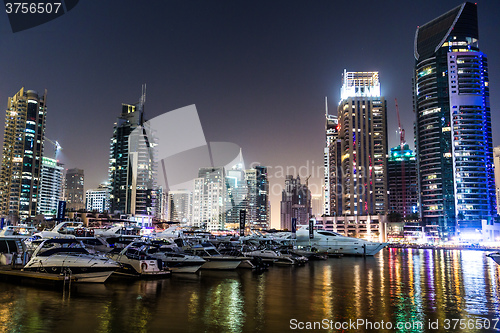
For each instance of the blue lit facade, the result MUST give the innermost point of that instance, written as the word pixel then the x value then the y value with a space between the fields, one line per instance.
pixel 453 126
pixel 402 181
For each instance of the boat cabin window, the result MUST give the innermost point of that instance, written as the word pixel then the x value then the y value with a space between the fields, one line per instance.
pixel 91 241
pixel 8 246
pixel 327 233
pixel 52 251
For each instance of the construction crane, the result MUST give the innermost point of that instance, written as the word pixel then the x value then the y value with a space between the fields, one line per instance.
pixel 57 147
pixel 402 145
pixel 307 180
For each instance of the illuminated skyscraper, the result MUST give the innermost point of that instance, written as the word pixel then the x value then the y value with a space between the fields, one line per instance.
pixel 98 199
pixel 209 199
pixel 329 188
pixel 73 189
pixel 180 206
pixel 257 197
pixel 453 125
pixel 402 181
pixel 496 153
pixel 132 165
pixel 362 174
pixel 22 154
pixel 51 186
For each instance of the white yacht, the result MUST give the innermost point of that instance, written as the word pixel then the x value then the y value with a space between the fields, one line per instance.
pixel 64 256
pixel 334 243
pixel 270 256
pixel 136 263
pixel 177 261
pixel 214 259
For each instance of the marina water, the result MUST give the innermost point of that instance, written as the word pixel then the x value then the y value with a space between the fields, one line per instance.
pixel 433 288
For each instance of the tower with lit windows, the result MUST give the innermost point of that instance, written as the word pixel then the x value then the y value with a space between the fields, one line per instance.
pixel 453 125
pixel 361 175
pixel 22 154
pixel 132 163
pixel 329 188
pixel 51 186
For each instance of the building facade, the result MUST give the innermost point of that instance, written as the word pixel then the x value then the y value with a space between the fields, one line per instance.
pixel 22 154
pixel 362 151
pixel 453 125
pixel 132 164
pixel 180 206
pixel 496 157
pixel 73 189
pixel 97 200
pixel 295 203
pixel 370 227
pixel 209 199
pixel 330 164
pixel 257 203
pixel 402 182
pixel 51 187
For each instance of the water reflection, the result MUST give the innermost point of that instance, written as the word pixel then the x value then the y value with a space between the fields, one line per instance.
pixel 397 286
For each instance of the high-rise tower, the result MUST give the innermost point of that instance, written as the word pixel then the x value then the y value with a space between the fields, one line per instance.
pixel 132 163
pixel 22 154
pixel 362 152
pixel 51 186
pixel 73 189
pixel 329 188
pixel 401 169
pixel 453 124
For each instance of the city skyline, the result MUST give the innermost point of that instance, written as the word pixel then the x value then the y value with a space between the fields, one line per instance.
pixel 270 65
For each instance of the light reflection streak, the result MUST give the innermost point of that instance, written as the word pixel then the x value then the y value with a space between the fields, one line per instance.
pixel 429 276
pixel 474 284
pixel 224 306
pixel 327 292
pixel 357 291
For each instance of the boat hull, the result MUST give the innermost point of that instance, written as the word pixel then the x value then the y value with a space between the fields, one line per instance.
pixel 370 249
pixel 192 269
pixel 219 263
pixel 76 273
pixel 495 257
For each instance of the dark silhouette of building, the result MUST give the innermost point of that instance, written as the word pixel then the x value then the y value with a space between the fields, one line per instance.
pixel 295 203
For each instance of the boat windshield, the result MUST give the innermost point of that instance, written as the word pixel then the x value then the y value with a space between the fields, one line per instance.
pixel 50 248
pixel 212 252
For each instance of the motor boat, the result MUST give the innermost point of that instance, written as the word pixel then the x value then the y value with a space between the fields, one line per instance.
pixel 215 260
pixel 271 256
pixel 136 263
pixel 495 256
pixel 334 243
pixel 65 256
pixel 174 258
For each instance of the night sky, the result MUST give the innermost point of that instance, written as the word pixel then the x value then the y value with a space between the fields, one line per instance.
pixel 258 71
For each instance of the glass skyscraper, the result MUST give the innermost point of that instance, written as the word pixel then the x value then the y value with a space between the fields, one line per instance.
pixel 132 164
pixel 453 125
pixel 22 154
pixel 362 131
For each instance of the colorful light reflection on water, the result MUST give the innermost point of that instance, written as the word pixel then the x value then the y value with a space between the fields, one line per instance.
pixel 397 285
